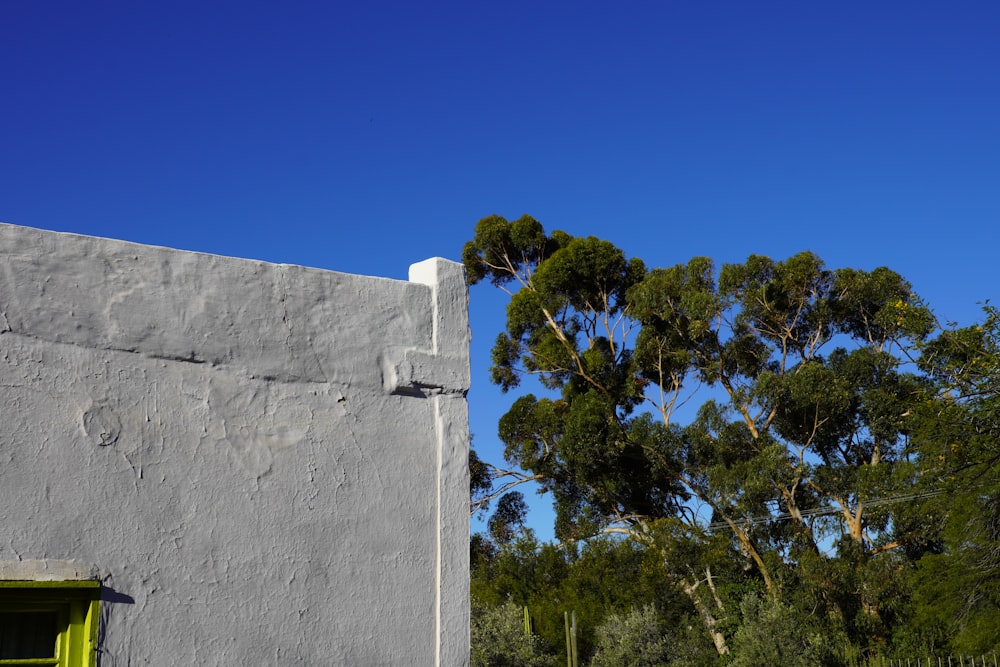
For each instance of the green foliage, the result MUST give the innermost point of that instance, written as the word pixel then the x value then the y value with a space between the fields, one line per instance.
pixel 499 640
pixel 500 248
pixel 957 593
pixel 841 471
pixel 775 633
pixel 785 303
pixel 480 481
pixel 508 519
pixel 603 576
pixel 635 639
pixel 879 306
pixel 588 275
pixel 956 584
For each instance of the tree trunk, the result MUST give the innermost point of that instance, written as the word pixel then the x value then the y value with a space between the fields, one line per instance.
pixel 748 548
pixel 711 622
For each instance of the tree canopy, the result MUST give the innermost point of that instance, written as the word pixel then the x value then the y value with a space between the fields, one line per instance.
pixel 836 417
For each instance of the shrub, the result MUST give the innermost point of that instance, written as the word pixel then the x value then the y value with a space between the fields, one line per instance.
pixel 499 640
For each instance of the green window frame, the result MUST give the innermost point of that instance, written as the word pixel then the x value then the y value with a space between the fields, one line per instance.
pixel 51 623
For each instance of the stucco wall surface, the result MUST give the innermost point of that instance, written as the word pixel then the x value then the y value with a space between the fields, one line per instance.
pixel 265 464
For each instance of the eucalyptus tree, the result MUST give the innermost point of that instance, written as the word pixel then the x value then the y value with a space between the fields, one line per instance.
pixel 956 582
pixel 802 443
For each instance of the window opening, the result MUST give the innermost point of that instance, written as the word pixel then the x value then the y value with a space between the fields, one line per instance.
pixel 50 623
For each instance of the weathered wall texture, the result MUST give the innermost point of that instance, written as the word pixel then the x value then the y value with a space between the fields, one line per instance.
pixel 267 464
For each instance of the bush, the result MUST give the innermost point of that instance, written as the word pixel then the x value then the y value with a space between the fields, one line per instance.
pixel 633 640
pixel 773 633
pixel 498 638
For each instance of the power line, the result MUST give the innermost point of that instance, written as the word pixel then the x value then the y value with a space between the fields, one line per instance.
pixel 826 511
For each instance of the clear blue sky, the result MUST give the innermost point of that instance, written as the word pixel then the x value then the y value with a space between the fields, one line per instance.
pixel 363 137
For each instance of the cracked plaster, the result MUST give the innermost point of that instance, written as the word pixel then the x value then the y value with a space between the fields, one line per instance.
pixel 268 462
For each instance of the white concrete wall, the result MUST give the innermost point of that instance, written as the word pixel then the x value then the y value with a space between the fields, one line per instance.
pixel 266 464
